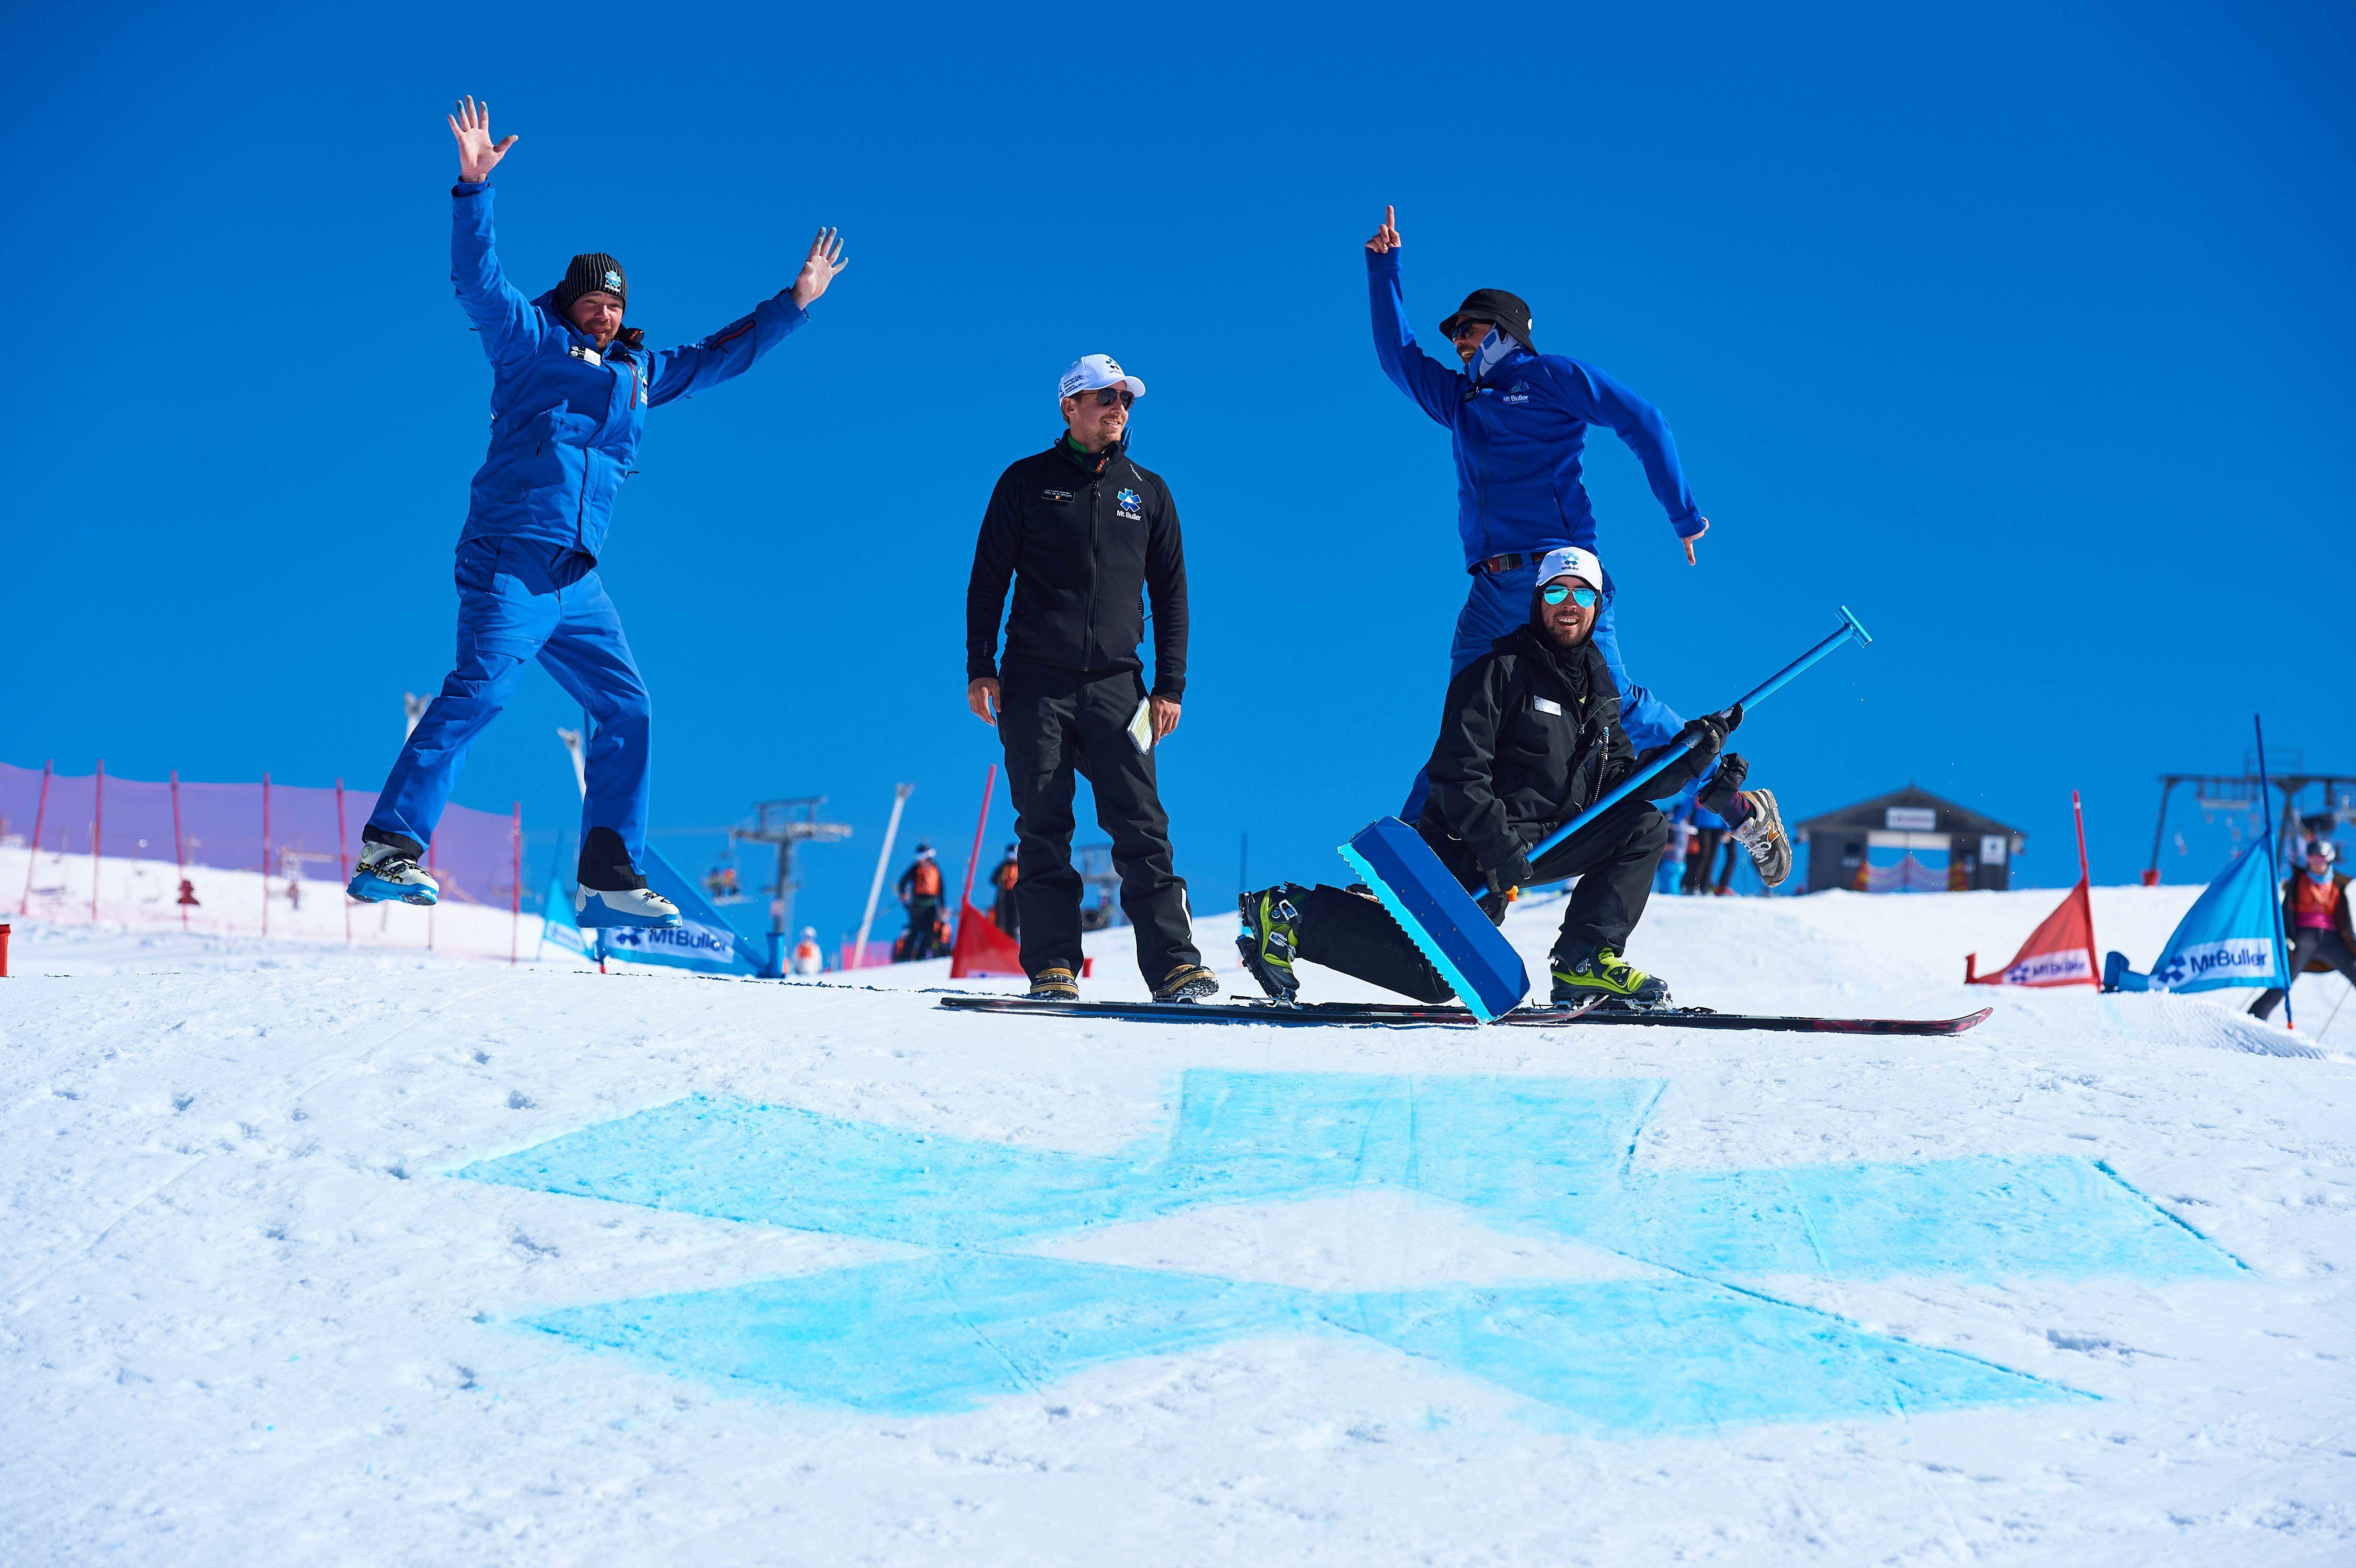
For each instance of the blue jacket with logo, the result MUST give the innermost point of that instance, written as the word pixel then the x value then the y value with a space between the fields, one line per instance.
pixel 1519 433
pixel 565 419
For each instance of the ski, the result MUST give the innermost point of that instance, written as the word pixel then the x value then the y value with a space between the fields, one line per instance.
pixel 1392 1015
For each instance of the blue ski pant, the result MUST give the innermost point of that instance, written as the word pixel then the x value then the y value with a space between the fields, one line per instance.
pixel 519 600
pixel 1500 602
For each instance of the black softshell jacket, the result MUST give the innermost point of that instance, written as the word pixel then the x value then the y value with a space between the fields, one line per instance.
pixel 1530 737
pixel 1087 538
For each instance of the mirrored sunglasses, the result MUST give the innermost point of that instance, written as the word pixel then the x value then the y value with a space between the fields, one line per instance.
pixel 1107 396
pixel 1556 592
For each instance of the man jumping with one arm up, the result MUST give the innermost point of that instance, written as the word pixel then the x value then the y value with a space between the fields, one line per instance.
pixel 570 390
pixel 1519 420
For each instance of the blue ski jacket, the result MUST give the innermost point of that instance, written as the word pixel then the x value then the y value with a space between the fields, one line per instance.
pixel 565 417
pixel 1519 431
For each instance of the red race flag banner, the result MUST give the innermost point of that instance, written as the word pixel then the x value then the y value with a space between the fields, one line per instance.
pixel 2061 951
pixel 982 948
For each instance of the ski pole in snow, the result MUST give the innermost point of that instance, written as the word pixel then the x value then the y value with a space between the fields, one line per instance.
pixel 2273 875
pixel 1850 627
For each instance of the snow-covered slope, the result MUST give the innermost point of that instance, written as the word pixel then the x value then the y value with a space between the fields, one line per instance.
pixel 310 1256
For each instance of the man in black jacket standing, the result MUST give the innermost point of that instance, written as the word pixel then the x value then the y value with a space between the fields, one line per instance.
pixel 1529 738
pixel 1087 537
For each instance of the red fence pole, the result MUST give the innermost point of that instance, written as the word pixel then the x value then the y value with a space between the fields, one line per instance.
pixel 343 850
pixel 97 827
pixel 265 854
pixel 25 905
pixel 988 787
pixel 515 894
pixel 179 850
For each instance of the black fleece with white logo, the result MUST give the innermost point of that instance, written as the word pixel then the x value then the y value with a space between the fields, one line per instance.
pixel 1530 738
pixel 1087 538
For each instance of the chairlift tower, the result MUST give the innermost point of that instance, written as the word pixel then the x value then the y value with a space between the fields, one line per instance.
pixel 2230 793
pixel 785 823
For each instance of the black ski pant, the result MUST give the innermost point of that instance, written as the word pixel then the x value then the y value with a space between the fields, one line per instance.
pixel 1613 859
pixel 2309 942
pixel 924 928
pixel 1701 859
pixel 1057 725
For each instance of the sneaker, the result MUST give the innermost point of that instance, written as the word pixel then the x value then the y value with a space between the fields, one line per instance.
pixel 1055 985
pixel 1579 977
pixel 594 907
pixel 1184 983
pixel 389 871
pixel 1268 940
pixel 1763 833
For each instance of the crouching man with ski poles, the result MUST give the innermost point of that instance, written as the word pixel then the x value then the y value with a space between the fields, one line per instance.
pixel 1518 420
pixel 1087 538
pixel 1530 736
pixel 570 389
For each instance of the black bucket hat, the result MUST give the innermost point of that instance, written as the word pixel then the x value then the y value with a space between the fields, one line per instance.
pixel 1493 304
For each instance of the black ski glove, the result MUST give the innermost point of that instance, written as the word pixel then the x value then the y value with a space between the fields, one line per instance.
pixel 1708 733
pixel 1515 873
pixel 1720 797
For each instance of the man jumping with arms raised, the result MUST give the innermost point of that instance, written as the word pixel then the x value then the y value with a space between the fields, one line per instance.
pixel 570 390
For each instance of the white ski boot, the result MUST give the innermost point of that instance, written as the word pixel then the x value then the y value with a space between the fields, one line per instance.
pixel 387 871
pixel 594 907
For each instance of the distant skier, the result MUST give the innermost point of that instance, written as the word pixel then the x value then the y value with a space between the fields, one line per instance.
pixel 1087 538
pixel 1669 876
pixel 2315 917
pixel 1005 911
pixel 809 958
pixel 920 895
pixel 570 389
pixel 1519 421
pixel 1530 737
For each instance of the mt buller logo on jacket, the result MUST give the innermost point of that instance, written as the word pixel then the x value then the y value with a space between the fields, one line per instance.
pixel 1131 504
pixel 1519 392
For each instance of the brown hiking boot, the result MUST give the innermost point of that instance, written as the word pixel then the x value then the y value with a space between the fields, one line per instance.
pixel 1055 985
pixel 1185 983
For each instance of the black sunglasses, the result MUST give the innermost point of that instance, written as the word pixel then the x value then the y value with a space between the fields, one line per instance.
pixel 1107 396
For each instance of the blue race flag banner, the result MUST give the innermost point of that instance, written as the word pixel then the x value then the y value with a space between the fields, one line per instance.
pixel 2228 938
pixel 702 941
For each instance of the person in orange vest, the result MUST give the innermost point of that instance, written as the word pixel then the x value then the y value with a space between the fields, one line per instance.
pixel 920 895
pixel 1003 908
pixel 2316 918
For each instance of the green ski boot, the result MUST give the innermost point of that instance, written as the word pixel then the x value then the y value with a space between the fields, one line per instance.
pixel 1599 972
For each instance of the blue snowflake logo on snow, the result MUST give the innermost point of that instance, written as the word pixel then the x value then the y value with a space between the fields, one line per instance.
pixel 1682 1334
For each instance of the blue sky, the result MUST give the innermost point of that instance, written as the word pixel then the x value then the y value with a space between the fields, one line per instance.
pixel 2023 330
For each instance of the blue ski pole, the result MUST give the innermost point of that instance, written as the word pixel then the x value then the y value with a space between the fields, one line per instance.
pixel 1850 627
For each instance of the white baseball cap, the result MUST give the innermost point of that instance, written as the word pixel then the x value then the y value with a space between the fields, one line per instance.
pixel 1572 561
pixel 1090 371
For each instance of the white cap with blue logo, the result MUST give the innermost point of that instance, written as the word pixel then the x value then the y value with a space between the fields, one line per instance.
pixel 1090 371
pixel 1572 561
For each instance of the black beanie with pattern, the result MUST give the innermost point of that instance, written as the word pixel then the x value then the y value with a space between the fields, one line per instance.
pixel 591 273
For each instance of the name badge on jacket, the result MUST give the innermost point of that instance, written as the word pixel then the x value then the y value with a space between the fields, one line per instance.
pixel 1061 497
pixel 591 355
pixel 1547 705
